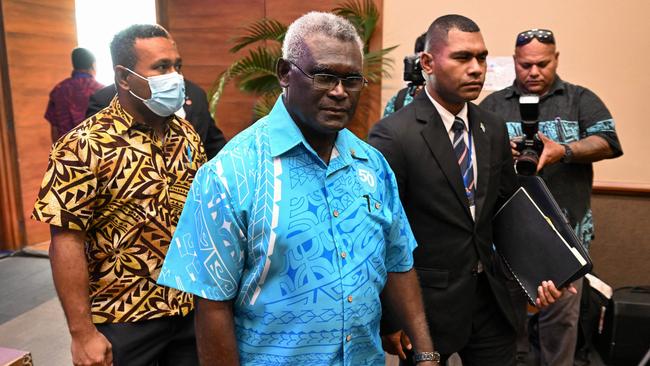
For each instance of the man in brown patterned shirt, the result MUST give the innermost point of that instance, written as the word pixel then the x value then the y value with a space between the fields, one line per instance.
pixel 113 192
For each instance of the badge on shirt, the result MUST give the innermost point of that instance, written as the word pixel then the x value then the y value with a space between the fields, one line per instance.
pixel 367 179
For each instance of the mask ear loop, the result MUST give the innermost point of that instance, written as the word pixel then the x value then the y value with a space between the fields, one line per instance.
pixel 141 77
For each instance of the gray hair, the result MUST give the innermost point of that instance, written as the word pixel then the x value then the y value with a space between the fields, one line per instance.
pixel 314 23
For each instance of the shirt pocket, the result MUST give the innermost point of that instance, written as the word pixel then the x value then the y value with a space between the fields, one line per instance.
pixel 434 278
pixel 373 208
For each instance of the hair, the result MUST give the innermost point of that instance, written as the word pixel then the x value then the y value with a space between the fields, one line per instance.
pixel 312 23
pixel 439 29
pixel 122 45
pixel 420 42
pixel 82 59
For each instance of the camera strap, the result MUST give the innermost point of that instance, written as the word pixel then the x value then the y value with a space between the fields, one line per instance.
pixel 400 99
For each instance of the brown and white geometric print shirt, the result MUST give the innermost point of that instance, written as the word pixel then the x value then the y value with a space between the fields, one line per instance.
pixel 116 180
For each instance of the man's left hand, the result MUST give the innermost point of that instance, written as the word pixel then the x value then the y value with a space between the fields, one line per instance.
pixel 547 293
pixel 396 343
pixel 552 153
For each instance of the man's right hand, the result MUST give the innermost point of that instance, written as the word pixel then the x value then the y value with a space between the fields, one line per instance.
pixel 395 343
pixel 91 348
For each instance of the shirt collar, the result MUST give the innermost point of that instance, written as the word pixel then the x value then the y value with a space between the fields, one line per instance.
pixel 285 135
pixel 125 121
pixel 80 74
pixel 283 131
pixel 446 116
pixel 557 87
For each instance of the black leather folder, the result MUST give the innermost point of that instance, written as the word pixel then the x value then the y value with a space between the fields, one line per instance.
pixel 535 241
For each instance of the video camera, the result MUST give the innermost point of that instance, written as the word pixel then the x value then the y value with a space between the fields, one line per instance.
pixel 413 70
pixel 530 146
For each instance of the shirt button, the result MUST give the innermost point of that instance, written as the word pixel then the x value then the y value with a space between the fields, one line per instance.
pixel 377 205
pixel 343 255
pixel 350 298
pixel 348 338
pixel 335 213
pixel 353 153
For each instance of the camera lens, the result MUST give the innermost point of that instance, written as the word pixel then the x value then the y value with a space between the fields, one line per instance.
pixel 527 162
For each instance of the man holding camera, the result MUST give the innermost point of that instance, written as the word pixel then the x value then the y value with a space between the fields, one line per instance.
pixel 576 129
pixel 454 169
pixel 413 75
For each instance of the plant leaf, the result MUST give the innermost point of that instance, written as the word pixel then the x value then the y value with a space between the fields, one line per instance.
pixel 265 103
pixel 261 30
pixel 376 64
pixel 214 95
pixel 259 83
pixel 364 15
pixel 258 60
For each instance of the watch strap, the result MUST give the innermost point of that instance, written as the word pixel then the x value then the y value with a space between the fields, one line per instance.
pixel 568 154
pixel 426 356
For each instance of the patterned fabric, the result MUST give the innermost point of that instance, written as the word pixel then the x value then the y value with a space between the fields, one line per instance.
pixel 408 98
pixel 464 159
pixel 302 247
pixel 567 113
pixel 116 180
pixel 69 101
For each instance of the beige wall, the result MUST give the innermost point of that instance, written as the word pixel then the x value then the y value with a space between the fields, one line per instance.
pixel 603 45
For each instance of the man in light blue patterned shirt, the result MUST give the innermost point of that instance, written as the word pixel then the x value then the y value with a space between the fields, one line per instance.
pixel 291 234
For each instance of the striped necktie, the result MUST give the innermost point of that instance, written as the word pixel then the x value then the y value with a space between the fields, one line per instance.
pixel 463 156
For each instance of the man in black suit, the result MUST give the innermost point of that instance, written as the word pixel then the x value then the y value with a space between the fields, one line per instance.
pixel 195 108
pixel 428 143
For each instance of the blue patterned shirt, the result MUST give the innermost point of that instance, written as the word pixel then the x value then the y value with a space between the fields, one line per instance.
pixel 408 98
pixel 303 248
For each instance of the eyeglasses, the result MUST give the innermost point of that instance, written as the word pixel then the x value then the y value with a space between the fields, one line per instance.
pixel 329 81
pixel 542 35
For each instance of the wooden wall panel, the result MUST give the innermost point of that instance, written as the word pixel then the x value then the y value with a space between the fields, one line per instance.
pixel 12 228
pixel 39 36
pixel 203 30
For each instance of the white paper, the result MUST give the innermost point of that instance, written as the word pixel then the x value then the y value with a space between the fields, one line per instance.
pixel 500 73
pixel 600 286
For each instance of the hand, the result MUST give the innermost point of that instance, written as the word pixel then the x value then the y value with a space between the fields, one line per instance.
pixel 395 343
pixel 91 348
pixel 513 146
pixel 547 293
pixel 552 153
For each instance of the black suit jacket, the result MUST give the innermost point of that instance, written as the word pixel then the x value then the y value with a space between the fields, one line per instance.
pixel 196 112
pixel 450 243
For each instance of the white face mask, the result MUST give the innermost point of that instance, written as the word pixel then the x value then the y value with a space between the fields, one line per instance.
pixel 167 93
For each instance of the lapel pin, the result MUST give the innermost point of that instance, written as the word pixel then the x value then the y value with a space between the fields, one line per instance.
pixel 482 127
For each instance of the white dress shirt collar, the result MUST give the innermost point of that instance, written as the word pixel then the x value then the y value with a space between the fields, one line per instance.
pixel 446 116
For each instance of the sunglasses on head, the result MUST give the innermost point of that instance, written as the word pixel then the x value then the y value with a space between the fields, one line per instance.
pixel 542 35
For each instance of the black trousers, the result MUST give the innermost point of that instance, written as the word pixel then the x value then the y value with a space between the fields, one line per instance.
pixel 492 342
pixel 157 342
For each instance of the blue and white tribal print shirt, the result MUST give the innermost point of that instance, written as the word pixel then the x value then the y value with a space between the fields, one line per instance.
pixel 302 247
